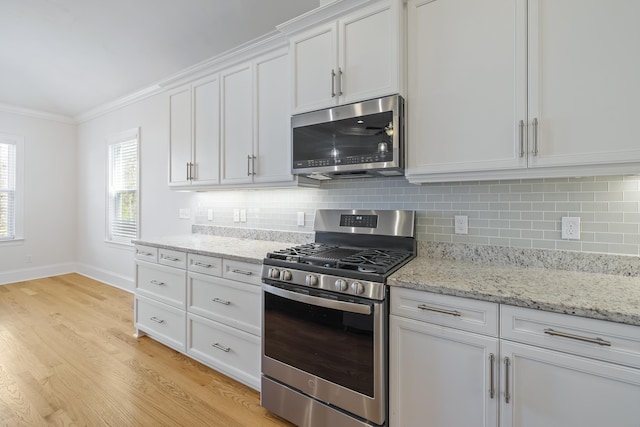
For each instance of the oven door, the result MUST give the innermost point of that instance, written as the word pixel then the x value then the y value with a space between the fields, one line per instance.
pixel 327 346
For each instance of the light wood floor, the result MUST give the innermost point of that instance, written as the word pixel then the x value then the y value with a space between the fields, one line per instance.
pixel 68 357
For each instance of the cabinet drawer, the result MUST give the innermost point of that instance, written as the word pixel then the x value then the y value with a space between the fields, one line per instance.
pixel 147 253
pixel 609 341
pixel 229 350
pixel 165 284
pixel 234 303
pixel 205 264
pixel 164 323
pixel 241 271
pixel 172 258
pixel 455 312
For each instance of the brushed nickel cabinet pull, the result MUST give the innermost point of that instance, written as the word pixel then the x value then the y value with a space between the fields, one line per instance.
pixel 203 265
pixel 492 389
pixel 221 301
pixel 188 172
pixel 253 165
pixel 521 138
pixel 144 253
pixel 219 347
pixel 155 282
pixel 598 341
pixel 248 165
pixel 155 319
pixel 439 310
pixel 535 136
pixel 246 273
pixel 170 258
pixel 333 83
pixel 192 170
pixel 340 81
pixel 507 396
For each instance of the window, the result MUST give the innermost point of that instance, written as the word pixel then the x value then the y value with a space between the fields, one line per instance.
pixel 10 188
pixel 122 192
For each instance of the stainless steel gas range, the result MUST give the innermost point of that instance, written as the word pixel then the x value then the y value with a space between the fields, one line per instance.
pixel 325 319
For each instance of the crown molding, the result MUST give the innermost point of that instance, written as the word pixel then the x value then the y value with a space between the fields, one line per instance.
pixel 320 15
pixel 12 109
pixel 118 103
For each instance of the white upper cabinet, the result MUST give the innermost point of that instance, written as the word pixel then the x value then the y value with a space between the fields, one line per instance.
pixel 517 89
pixel 194 134
pixel 357 57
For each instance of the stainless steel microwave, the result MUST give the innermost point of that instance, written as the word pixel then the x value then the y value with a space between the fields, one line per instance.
pixel 365 139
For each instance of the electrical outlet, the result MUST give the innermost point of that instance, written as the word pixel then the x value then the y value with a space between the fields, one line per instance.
pixel 461 224
pixel 571 227
pixel 300 219
pixel 236 215
pixel 243 215
pixel 209 214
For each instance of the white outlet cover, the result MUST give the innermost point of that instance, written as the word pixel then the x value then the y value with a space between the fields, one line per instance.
pixel 461 224
pixel 300 219
pixel 209 214
pixel 243 215
pixel 571 227
pixel 236 215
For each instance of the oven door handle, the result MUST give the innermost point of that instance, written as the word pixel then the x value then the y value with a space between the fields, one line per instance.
pixel 321 302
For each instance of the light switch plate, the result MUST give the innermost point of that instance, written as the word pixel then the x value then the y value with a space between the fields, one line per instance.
pixel 243 215
pixel 236 215
pixel 300 219
pixel 209 214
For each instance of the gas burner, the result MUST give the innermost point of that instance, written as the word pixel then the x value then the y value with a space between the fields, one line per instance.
pixel 363 269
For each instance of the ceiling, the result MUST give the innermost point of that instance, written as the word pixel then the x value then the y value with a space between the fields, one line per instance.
pixel 69 56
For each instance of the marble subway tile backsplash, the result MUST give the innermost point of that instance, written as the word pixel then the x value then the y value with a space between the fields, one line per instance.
pixel 515 213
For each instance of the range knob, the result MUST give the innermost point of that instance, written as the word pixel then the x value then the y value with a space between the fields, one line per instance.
pixel 286 275
pixel 274 273
pixel 311 280
pixel 341 285
pixel 357 288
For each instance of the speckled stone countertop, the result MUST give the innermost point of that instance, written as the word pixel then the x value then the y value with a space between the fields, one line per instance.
pixel 600 296
pixel 234 248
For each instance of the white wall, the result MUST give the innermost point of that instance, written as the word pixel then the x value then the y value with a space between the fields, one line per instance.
pixel 159 206
pixel 49 199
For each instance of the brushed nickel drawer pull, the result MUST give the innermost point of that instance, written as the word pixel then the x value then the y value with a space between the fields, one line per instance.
pixel 155 319
pixel 145 253
pixel 507 395
pixel 246 273
pixel 221 301
pixel 155 282
pixel 219 347
pixel 168 258
pixel 203 265
pixel 598 341
pixel 440 310
pixel 492 389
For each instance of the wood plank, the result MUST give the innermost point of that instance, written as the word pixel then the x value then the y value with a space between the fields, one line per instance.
pixel 68 357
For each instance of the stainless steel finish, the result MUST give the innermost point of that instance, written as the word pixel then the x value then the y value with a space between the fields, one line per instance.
pixel 273 273
pixel 245 272
pixel 341 285
pixel 598 341
pixel 320 302
pixel 220 347
pixel 302 410
pixel 492 389
pixel 372 290
pixel 439 310
pixel 390 222
pixel 535 136
pixel 357 288
pixel 333 83
pixel 507 364
pixel 340 81
pixel 521 138
pixel 155 319
pixel 248 165
pixel 155 282
pixel 221 301
pixel 311 280
pixel 329 392
pixel 391 167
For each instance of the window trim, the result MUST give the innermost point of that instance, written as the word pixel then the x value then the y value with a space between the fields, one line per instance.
pixel 120 138
pixel 18 207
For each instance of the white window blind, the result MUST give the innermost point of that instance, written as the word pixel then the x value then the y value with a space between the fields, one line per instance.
pixel 7 190
pixel 123 191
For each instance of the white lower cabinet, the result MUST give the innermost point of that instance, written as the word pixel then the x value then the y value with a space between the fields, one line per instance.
pixel 545 369
pixel 203 306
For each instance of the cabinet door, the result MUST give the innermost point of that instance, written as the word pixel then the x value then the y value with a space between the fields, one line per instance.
pixel 237 129
pixel 441 377
pixel 179 136
pixel 272 146
pixel 584 91
pixel 371 53
pixel 314 61
pixel 206 130
pixel 467 85
pixel 553 389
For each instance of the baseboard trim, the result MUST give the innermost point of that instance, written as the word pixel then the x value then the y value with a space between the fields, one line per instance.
pixel 116 280
pixel 33 273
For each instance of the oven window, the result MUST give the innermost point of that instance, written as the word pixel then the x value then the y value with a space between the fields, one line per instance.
pixel 332 344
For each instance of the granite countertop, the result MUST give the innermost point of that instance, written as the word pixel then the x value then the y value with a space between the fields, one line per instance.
pixel 239 249
pixel 600 296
